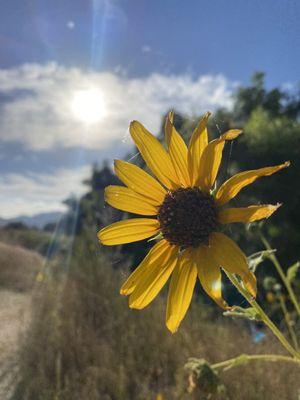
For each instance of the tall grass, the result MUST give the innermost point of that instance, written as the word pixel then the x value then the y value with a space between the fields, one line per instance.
pixel 85 343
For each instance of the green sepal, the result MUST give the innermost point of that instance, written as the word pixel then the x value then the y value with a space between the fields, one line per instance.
pixel 240 312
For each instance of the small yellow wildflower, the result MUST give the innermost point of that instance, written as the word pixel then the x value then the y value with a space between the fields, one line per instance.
pixel 39 277
pixel 271 298
pixel 187 216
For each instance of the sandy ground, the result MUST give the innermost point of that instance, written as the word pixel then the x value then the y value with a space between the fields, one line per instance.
pixel 14 318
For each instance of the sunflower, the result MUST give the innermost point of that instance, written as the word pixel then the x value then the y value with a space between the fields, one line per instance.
pixel 186 215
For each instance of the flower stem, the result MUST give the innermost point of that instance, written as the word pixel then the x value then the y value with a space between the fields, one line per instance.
pixel 244 358
pixel 282 275
pixel 288 321
pixel 263 315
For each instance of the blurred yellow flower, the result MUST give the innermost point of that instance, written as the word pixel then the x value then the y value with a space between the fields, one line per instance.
pixel 271 298
pixel 186 216
pixel 39 277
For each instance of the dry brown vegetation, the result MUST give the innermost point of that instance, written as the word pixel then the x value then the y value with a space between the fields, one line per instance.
pixel 84 343
pixel 18 267
pixel 18 270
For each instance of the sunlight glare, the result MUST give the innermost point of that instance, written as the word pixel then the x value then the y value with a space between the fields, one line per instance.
pixel 88 105
pixel 216 286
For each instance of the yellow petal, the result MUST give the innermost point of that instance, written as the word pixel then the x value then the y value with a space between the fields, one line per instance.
pixel 180 291
pixel 154 155
pixel 198 142
pixel 128 231
pixel 250 283
pixel 154 278
pixel 128 200
pixel 139 181
pixel 211 159
pixel 246 214
pixel 178 151
pixel 209 274
pixel 154 254
pixel 229 256
pixel 232 186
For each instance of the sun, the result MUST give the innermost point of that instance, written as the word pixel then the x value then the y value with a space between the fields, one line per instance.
pixel 88 105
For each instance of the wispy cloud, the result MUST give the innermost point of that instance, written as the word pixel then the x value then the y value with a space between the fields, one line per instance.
pixel 34 193
pixel 37 109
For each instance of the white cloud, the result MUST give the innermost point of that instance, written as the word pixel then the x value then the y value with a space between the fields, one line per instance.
pixel 39 192
pixel 37 113
pixel 41 117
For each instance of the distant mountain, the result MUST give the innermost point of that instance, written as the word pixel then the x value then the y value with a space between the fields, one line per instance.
pixel 38 220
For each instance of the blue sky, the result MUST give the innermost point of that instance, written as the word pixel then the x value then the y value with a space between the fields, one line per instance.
pixel 145 56
pixel 233 37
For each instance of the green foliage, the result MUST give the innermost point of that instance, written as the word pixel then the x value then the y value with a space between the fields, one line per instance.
pixel 90 212
pixel 248 99
pixel 270 119
pixel 32 239
pixel 292 271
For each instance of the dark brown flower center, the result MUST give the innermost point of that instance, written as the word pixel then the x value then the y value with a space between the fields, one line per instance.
pixel 187 217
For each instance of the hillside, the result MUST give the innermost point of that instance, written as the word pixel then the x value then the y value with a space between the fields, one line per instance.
pixel 18 267
pixel 37 220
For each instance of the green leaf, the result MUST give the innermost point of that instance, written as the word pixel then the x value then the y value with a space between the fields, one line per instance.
pixel 292 271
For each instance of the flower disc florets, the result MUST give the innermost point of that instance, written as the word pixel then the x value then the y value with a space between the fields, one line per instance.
pixel 187 217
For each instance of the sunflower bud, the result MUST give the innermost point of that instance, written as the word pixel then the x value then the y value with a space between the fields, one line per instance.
pixel 203 378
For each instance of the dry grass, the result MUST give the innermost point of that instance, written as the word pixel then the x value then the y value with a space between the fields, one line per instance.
pixel 18 267
pixel 14 317
pixel 84 343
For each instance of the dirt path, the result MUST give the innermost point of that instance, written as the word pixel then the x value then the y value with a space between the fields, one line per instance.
pixel 14 317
